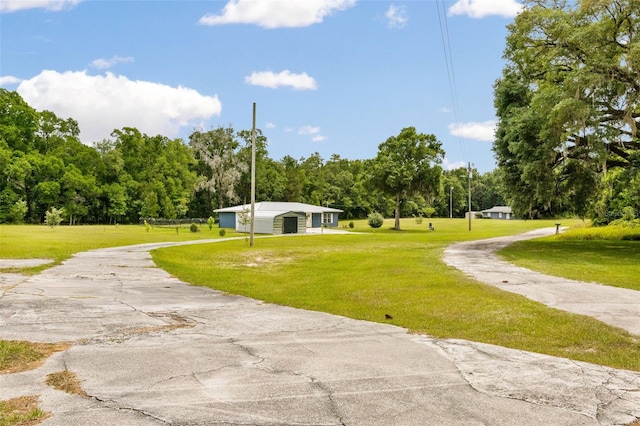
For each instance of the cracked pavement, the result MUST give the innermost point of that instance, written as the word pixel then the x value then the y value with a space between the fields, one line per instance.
pixel 152 350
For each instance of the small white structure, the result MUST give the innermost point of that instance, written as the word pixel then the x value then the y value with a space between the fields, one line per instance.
pixel 474 215
pixel 278 217
pixel 498 212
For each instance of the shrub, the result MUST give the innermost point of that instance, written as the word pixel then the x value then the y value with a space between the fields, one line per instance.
pixel 147 226
pixel 418 219
pixel 351 225
pixel 628 213
pixel 18 211
pixel 375 220
pixel 222 232
pixel 210 223
pixel 429 211
pixel 194 228
pixel 53 217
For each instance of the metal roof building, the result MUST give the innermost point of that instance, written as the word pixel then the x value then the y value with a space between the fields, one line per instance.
pixel 278 217
pixel 498 212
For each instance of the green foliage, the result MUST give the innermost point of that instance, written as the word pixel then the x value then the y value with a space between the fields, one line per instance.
pixel 628 214
pixel 147 226
pixel 375 220
pixel 132 175
pixel 210 223
pixel 568 104
pixel 429 211
pixel 17 212
pixel 351 224
pixel 194 228
pixel 219 165
pixel 406 165
pixel 222 232
pixel 53 217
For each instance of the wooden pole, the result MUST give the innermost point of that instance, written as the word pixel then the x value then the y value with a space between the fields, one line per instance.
pixel 253 176
pixel 469 196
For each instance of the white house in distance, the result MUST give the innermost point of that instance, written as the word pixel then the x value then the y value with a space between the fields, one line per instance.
pixel 278 217
pixel 498 212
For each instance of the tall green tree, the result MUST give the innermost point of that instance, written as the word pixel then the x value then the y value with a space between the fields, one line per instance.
pixel 406 165
pixel 568 103
pixel 220 167
pixel 294 179
pixel 270 176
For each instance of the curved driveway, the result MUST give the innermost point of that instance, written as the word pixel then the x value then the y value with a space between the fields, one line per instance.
pixel 152 350
pixel 615 306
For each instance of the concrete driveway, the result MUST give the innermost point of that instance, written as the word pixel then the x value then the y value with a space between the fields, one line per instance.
pixel 152 350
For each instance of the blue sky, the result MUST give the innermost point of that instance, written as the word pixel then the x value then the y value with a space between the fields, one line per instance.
pixel 328 76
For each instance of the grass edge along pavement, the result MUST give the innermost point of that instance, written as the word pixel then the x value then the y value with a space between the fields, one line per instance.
pixel 584 254
pixel 399 278
pixel 41 241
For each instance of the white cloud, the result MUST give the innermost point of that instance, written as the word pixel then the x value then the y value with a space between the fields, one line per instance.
pixel 483 8
pixel 270 125
pixel 9 79
pixel 445 110
pixel 276 13
pixel 484 131
pixel 54 5
pixel 284 78
pixel 103 103
pixel 308 130
pixel 396 16
pixel 312 131
pixel 108 63
pixel 448 165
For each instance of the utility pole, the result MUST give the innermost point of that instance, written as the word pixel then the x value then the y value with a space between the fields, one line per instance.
pixel 253 176
pixel 469 196
pixel 451 203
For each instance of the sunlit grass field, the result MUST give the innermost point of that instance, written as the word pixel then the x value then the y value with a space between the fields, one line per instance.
pixel 376 275
pixel 41 241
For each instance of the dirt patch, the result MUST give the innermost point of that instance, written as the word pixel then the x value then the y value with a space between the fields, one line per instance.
pixel 66 381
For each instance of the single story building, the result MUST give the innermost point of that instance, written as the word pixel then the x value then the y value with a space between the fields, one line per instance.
pixel 278 217
pixel 498 212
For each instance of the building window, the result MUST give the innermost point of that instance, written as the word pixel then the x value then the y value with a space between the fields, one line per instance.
pixel 327 218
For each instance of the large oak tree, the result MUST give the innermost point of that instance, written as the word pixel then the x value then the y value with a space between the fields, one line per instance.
pixel 568 104
pixel 408 164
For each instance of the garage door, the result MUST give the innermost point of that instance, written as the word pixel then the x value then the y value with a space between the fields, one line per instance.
pixel 290 225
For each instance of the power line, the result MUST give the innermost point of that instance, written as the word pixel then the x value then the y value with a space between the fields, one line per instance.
pixel 446 47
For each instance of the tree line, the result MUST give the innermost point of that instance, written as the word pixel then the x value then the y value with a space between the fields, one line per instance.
pixel 568 105
pixel 44 165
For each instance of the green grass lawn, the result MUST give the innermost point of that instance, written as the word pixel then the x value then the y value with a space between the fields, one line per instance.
pixel 606 261
pixel 40 241
pixel 370 275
